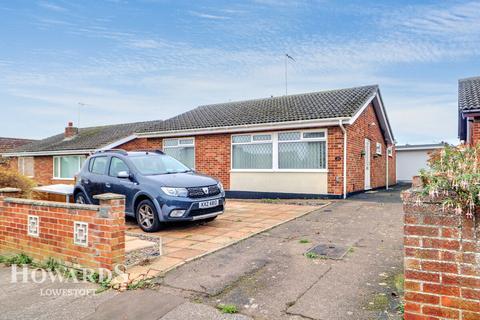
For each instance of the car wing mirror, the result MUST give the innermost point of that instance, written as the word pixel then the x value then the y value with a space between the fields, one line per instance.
pixel 123 175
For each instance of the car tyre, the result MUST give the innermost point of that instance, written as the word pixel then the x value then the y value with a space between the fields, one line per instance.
pixel 147 216
pixel 81 198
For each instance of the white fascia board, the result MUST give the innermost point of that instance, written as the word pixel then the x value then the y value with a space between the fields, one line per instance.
pixel 70 152
pixel 360 111
pixel 400 149
pixel 383 115
pixel 47 153
pixel 118 142
pixel 247 128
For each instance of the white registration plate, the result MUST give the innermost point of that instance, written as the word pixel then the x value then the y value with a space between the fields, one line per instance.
pixel 208 204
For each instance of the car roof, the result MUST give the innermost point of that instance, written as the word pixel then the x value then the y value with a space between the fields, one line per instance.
pixel 120 152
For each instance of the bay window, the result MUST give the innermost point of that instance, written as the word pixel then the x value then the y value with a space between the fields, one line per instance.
pixel 305 150
pixel 182 149
pixel 287 151
pixel 66 167
pixel 252 151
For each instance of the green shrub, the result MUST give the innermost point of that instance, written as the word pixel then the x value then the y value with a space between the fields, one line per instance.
pixel 454 177
pixel 13 179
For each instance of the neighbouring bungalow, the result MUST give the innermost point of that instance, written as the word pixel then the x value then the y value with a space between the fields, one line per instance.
pixel 469 110
pixel 7 144
pixel 321 144
pixel 56 160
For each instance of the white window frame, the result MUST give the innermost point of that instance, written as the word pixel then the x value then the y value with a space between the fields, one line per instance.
pixel 56 173
pixel 275 143
pixel 378 148
pixel 390 151
pixel 182 146
pixel 21 165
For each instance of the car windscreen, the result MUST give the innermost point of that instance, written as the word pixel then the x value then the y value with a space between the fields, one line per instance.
pixel 158 164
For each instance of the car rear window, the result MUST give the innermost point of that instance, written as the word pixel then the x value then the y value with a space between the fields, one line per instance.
pixel 98 165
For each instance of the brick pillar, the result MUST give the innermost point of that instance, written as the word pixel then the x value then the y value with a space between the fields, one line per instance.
pixel 110 243
pixel 442 261
pixel 10 192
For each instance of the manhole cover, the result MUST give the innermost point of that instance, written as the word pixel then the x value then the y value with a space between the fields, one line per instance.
pixel 329 251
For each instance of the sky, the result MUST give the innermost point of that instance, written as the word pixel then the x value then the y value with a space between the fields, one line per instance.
pixel 127 61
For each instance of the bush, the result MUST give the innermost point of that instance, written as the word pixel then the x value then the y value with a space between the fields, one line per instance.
pixel 454 175
pixel 13 179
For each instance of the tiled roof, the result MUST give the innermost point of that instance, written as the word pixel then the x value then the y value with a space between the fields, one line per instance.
pixel 307 106
pixel 12 143
pixel 87 138
pixel 469 94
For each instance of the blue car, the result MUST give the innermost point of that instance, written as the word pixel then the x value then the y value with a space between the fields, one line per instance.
pixel 158 188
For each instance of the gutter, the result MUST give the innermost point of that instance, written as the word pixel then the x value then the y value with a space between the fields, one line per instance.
pixel 47 153
pixel 246 128
pixel 340 123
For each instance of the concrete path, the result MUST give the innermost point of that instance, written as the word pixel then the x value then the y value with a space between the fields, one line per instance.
pixel 265 277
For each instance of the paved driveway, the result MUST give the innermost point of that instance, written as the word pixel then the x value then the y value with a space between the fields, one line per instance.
pixel 241 220
pixel 267 276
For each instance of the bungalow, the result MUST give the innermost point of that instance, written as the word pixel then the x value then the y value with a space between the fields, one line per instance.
pixel 469 110
pixel 320 144
pixel 58 158
pixel 329 143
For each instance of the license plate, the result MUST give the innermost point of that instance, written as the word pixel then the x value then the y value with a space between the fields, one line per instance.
pixel 208 204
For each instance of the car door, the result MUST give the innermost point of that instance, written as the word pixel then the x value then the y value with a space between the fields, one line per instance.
pixel 118 185
pixel 94 183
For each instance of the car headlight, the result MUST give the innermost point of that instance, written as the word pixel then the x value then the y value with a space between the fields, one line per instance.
pixel 175 192
pixel 220 186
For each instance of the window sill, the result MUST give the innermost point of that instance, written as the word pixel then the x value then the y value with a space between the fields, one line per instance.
pixel 281 170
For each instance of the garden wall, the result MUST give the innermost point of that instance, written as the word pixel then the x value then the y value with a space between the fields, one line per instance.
pixel 442 261
pixel 77 235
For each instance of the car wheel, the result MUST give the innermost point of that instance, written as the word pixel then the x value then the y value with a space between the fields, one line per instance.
pixel 147 217
pixel 81 198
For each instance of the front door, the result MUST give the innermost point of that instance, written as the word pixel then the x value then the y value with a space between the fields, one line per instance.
pixel 367 164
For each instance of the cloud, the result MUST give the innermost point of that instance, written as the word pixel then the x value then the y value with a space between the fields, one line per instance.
pixel 440 19
pixel 208 16
pixel 52 7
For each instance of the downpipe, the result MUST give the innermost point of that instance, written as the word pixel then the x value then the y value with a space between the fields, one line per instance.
pixel 340 123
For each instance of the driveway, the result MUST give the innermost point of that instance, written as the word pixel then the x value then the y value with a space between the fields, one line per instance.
pixel 267 276
pixel 187 241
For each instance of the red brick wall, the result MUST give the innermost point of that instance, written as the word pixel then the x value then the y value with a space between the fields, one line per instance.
pixel 212 156
pixel 442 262
pixel 367 127
pixel 106 231
pixel 335 160
pixel 142 144
pixel 475 132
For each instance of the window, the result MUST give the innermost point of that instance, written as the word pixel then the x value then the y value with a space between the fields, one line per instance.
pixel 98 165
pixel 117 165
pixel 390 151
pixel 26 166
pixel 65 167
pixel 302 151
pixel 181 149
pixel 378 149
pixel 292 150
pixel 252 151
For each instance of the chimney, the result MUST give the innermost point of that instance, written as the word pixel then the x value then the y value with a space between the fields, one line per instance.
pixel 70 130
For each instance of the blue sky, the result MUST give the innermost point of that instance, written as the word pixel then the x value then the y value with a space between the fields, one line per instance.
pixel 152 59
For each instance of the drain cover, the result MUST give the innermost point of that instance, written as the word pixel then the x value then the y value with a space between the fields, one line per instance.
pixel 329 251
